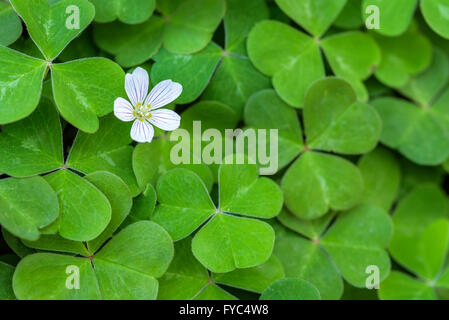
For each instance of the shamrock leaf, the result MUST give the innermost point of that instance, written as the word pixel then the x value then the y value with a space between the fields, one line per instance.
pixel 85 211
pixel 255 279
pixel 26 206
pixel 142 207
pixel 416 211
pixel 190 24
pixel 356 240
pixel 50 31
pixel 334 121
pixel 228 236
pixel 419 133
pixel 291 289
pixel 187 279
pixel 350 17
pixel 148 253
pixel 381 175
pixel 10 25
pixel 429 253
pixel 130 44
pixel 435 14
pixel 395 15
pixel 402 57
pixel 180 67
pixel 106 150
pixel 21 79
pixel 316 16
pixel 86 88
pixel 33 145
pixel 127 11
pixel 294 60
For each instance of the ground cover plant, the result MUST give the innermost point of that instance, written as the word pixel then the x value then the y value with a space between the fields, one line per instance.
pixel 95 96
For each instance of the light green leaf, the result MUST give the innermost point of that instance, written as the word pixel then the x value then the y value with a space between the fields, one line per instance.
pixel 10 25
pixel 84 211
pixel 127 11
pixel 140 253
pixel 436 13
pixel 225 242
pixel 86 89
pixel 402 57
pixel 335 121
pixel 265 110
pixel 340 48
pixel 350 17
pixel 357 240
pixel 416 212
pixel 317 182
pixel 289 56
pixel 180 67
pixel 54 242
pixel 186 277
pixel 425 87
pixel 399 286
pixel 26 205
pixel 34 145
pixel 395 16
pixel 291 289
pixel 306 260
pixel 106 150
pixel 381 176
pixel 184 203
pixel 21 80
pixel 214 292
pixel 316 16
pixel 235 81
pixel 243 192
pixel 52 25
pixel 120 199
pixel 130 44
pixel 420 134
pixel 190 24
pixel 255 279
pixel 43 276
pixel 308 228
pixel 143 206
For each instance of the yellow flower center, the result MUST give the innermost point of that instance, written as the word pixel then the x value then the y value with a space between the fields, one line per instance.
pixel 142 112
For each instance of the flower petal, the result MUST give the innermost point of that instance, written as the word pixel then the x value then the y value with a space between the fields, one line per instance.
pixel 165 119
pixel 123 110
pixel 136 85
pixel 142 131
pixel 163 93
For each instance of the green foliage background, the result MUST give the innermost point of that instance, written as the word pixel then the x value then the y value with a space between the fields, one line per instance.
pixel 363 120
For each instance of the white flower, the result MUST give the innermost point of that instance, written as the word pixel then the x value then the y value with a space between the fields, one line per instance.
pixel 142 109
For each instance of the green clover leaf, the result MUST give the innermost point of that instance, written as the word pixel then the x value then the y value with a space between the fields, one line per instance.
pixel 149 251
pixel 315 16
pixel 106 150
pixel 381 174
pixel 402 57
pixel 419 133
pixel 26 206
pixel 187 279
pixel 291 289
pixel 50 31
pixel 33 145
pixel 85 210
pixel 10 26
pixel 182 214
pixel 6 274
pixel 127 11
pixel 336 122
pixel 356 240
pixel 23 76
pixel 294 60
